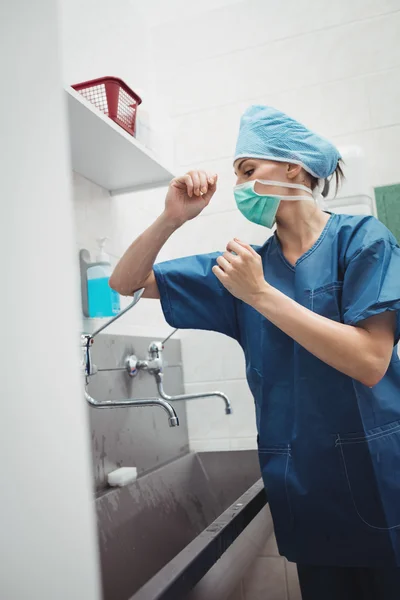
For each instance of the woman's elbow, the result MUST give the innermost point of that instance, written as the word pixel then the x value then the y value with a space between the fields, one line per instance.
pixel 373 372
pixel 371 379
pixel 117 285
pixel 123 286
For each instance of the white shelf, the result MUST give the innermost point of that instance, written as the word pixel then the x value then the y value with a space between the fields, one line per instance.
pixel 104 153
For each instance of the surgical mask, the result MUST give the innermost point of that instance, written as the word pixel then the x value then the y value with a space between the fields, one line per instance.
pixel 262 208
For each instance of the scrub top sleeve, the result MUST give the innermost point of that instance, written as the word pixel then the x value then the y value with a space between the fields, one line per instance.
pixel 193 298
pixel 372 283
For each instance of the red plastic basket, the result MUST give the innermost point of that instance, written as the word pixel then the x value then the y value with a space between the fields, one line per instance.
pixel 114 98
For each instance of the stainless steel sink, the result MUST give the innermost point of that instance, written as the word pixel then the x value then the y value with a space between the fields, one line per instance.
pixel 167 529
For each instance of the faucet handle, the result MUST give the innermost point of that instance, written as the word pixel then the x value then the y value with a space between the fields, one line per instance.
pixel 155 349
pixel 87 366
pixel 132 365
pixel 152 365
pixel 86 340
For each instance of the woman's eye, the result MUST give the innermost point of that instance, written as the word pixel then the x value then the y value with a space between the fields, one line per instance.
pixel 249 172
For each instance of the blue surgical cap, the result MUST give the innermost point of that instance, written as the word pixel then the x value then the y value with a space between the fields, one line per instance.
pixel 270 134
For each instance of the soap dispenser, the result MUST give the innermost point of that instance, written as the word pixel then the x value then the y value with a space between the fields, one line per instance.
pixel 102 300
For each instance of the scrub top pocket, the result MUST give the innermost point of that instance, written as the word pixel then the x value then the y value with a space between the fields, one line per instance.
pixel 371 463
pixel 327 300
pixel 276 467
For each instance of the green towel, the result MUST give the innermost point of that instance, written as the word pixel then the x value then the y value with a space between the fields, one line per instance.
pixel 388 207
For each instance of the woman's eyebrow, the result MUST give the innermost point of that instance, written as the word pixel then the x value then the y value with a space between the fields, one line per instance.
pixel 240 164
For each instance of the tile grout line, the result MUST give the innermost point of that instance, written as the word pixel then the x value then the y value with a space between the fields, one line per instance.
pixel 216 381
pixel 292 37
pixel 176 116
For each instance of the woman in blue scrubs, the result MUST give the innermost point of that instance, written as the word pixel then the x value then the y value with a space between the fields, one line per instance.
pixel 316 311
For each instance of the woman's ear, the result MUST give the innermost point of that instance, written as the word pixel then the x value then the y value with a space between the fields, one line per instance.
pixel 292 171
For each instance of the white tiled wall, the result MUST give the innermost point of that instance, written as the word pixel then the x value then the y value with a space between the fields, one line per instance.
pixel 255 23
pixel 333 65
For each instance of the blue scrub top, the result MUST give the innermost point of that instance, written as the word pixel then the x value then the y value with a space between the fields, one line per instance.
pixel 329 447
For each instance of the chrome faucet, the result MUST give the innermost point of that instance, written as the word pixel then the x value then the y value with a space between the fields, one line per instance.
pixel 154 365
pixel 172 416
pixel 89 369
pixel 87 339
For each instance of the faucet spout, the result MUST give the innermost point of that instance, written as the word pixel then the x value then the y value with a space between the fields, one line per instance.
pixel 172 416
pixel 160 389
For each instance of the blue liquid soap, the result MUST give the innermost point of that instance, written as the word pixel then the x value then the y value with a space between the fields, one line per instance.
pixel 103 301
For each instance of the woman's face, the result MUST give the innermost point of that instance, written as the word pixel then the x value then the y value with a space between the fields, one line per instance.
pixel 247 169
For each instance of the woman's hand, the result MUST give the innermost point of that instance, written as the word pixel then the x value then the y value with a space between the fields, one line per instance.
pixel 241 273
pixel 189 195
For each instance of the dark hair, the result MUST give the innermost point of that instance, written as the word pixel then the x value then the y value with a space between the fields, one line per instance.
pixel 337 174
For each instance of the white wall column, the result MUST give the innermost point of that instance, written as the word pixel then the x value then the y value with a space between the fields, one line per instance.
pixel 48 541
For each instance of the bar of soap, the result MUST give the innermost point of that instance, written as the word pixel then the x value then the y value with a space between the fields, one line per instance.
pixel 122 476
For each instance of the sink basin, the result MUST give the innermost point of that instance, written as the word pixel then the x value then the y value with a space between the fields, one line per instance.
pixel 161 534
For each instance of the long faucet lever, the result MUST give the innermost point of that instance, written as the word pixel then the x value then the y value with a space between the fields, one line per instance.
pixel 170 336
pixel 136 297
